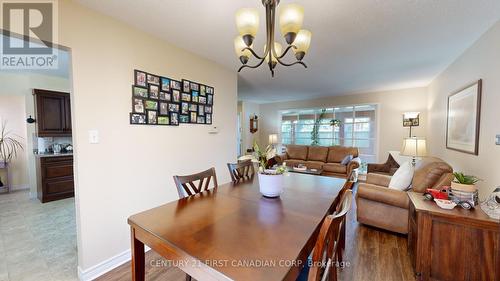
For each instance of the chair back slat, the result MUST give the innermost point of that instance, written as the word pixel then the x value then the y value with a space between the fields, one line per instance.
pixel 186 184
pixel 240 170
pixel 326 249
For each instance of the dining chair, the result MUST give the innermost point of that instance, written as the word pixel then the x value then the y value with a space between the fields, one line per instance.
pixel 241 170
pixel 322 265
pixel 196 183
pixel 348 185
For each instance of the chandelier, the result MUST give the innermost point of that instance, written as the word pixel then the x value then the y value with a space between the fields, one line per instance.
pixel 291 17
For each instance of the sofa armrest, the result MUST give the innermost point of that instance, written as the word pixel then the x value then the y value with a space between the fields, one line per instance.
pixel 280 158
pixel 384 195
pixel 378 179
pixel 353 164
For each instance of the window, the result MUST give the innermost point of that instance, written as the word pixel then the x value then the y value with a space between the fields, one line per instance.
pixel 357 128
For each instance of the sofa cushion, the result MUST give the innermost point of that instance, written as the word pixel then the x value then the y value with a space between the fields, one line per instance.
pixel 383 195
pixel 401 180
pixel 378 179
pixel 298 152
pixel 337 153
pixel 334 168
pixel 315 165
pixel 294 162
pixel 317 153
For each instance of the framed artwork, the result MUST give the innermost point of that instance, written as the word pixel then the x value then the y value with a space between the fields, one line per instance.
pixel 138 105
pixel 174 118
pixel 163 108
pixel 463 119
pixel 193 117
pixel 194 96
pixel 140 78
pixel 184 108
pixel 186 86
pixel 139 92
pixel 153 91
pixel 173 107
pixel 137 118
pixel 165 96
pixel 163 120
pixel 176 96
pixel 152 117
pixel 175 85
pixel 183 118
pixel 186 97
pixel 153 79
pixel 160 100
pixel 151 105
pixel 165 84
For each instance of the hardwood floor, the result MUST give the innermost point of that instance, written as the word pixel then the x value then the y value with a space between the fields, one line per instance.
pixel 371 254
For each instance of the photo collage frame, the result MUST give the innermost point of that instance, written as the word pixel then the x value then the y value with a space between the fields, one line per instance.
pixel 159 100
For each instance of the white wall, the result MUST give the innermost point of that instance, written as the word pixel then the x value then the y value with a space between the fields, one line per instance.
pixel 480 61
pixel 391 104
pixel 131 168
pixel 248 109
pixel 21 86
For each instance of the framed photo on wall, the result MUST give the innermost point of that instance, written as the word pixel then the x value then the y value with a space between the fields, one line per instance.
pixel 463 119
pixel 137 118
pixel 140 78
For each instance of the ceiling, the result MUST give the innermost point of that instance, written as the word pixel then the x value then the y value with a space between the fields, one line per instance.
pixel 357 45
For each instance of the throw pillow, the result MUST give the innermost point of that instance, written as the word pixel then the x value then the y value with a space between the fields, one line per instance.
pixel 401 180
pixel 346 160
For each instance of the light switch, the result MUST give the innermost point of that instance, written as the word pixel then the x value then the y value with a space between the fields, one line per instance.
pixel 93 136
pixel 498 140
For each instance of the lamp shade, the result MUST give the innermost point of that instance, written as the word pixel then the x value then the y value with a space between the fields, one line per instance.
pixel 239 45
pixel 291 18
pixel 247 21
pixel 411 115
pixel 302 41
pixel 278 48
pixel 414 147
pixel 273 139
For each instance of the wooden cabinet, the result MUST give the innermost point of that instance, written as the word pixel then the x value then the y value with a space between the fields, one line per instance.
pixel 453 244
pixel 53 111
pixel 55 178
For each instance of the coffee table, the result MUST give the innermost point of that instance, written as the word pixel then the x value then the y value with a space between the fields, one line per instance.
pixel 306 171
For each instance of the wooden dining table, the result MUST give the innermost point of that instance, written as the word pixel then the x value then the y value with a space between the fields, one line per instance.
pixel 234 233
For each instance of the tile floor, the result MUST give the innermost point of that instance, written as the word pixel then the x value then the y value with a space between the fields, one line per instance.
pixel 37 241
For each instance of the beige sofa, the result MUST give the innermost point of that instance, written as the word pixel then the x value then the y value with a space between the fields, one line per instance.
pixel 326 158
pixel 385 208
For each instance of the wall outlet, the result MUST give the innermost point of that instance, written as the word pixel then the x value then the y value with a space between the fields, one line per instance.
pixel 498 140
pixel 93 136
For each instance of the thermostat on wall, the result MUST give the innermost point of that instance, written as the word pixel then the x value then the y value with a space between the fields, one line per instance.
pixel 213 130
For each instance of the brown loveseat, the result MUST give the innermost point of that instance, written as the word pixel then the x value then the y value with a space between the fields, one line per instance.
pixel 385 208
pixel 327 158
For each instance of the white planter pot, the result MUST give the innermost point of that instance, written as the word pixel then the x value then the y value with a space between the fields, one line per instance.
pixel 271 185
pixel 463 187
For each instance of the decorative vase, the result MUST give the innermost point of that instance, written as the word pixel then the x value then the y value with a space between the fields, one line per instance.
pixel 463 187
pixel 271 185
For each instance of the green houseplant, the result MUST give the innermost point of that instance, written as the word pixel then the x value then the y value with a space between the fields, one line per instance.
pixel 9 146
pixel 270 180
pixel 464 182
pixel 317 124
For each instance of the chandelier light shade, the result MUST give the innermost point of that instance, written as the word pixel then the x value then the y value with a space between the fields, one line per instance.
pixel 302 42
pixel 291 18
pixel 247 22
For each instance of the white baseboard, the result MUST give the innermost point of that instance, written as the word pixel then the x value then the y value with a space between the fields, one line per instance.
pixel 105 266
pixel 19 187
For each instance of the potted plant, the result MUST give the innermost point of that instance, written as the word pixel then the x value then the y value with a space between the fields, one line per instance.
pixel 270 180
pixel 464 182
pixel 9 146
